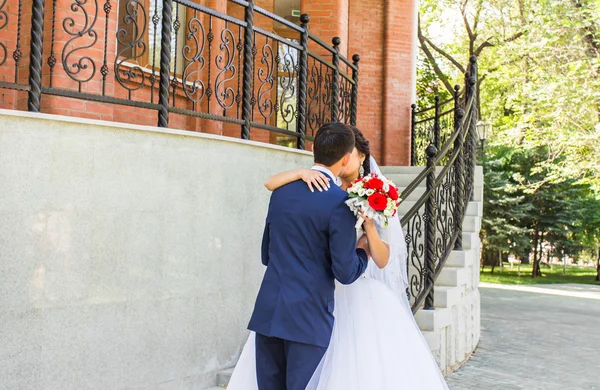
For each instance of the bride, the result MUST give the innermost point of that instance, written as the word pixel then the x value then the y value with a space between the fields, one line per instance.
pixel 376 343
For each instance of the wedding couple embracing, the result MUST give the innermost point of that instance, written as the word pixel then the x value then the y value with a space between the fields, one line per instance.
pixel 332 312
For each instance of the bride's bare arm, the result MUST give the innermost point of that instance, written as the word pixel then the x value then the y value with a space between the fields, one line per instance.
pixel 312 178
pixel 378 249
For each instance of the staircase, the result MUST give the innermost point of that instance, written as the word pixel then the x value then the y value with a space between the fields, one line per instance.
pixel 452 329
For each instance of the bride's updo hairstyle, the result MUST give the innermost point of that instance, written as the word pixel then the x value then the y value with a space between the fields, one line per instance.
pixel 362 145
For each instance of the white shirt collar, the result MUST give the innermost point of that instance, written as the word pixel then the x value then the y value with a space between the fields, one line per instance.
pixel 336 180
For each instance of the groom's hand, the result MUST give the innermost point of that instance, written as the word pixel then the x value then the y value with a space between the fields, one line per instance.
pixel 363 244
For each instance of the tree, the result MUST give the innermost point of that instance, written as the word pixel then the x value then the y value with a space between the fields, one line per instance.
pixel 539 64
pixel 590 207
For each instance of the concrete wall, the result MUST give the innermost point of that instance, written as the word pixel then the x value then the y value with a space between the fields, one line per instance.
pixel 129 255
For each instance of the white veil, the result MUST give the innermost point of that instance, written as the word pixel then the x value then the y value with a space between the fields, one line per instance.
pixel 395 274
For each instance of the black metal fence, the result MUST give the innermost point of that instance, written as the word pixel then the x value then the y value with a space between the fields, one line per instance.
pixel 433 125
pixel 179 57
pixel 446 144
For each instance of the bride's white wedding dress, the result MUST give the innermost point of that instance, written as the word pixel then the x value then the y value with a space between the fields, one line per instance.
pixel 376 343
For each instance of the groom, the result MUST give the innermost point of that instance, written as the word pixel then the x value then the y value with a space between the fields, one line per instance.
pixel 309 240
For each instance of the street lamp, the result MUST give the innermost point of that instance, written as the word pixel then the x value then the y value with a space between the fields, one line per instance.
pixel 483 131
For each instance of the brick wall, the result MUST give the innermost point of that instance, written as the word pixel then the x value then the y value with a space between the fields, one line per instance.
pixel 382 33
pixel 399 81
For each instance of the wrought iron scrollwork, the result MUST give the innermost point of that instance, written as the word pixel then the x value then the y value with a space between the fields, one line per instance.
pixel 319 95
pixel 132 77
pixel 80 69
pixel 225 62
pixel 345 100
pixel 193 53
pixel 266 106
pixel 287 84
pixel 445 225
pixel 250 76
pixel 3 24
pixel 414 235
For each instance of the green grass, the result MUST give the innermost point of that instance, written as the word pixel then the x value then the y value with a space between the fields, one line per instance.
pixel 580 275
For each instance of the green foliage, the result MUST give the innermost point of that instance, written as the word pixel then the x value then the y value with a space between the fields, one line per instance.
pixel 539 86
pixel 554 275
pixel 429 85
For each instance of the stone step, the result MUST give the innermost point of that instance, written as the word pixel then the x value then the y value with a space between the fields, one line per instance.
pixel 452 277
pixel 474 209
pixel 224 376
pixel 402 181
pixel 419 191
pixel 461 258
pixel 433 340
pixel 447 297
pixel 433 320
pixel 402 176
pixel 403 170
pixel 470 240
pixel 472 224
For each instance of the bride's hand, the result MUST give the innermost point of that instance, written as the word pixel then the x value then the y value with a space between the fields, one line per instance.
pixel 319 180
pixel 368 222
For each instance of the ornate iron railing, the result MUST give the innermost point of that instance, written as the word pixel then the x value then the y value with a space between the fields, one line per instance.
pixel 433 226
pixel 433 125
pixel 180 57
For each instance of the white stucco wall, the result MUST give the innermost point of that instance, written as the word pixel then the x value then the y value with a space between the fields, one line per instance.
pixel 129 255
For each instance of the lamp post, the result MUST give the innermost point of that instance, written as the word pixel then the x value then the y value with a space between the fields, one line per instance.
pixel 483 131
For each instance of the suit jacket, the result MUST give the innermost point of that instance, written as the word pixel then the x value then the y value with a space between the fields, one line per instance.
pixel 309 239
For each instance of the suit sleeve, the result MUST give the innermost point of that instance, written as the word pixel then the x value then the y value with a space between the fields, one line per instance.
pixel 348 263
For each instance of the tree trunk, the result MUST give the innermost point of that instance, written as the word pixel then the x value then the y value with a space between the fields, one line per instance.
pixel 500 260
pixel 598 263
pixel 538 270
pixel 535 254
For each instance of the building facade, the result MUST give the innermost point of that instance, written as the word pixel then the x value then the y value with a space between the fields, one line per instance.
pixel 101 60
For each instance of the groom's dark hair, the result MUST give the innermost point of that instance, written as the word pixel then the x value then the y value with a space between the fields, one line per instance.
pixel 332 142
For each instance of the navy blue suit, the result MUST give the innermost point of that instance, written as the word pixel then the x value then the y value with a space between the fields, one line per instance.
pixel 309 240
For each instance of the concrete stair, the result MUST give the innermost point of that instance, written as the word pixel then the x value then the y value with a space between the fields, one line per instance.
pixel 455 281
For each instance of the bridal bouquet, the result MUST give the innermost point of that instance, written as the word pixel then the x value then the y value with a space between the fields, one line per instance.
pixel 374 196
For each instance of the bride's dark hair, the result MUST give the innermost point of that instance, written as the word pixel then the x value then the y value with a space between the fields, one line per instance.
pixel 362 145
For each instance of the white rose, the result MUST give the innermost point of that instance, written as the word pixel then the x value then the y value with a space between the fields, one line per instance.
pixel 370 192
pixel 386 187
pixel 362 191
pixel 387 213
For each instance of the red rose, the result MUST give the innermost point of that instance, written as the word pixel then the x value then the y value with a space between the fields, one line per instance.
pixel 393 193
pixel 374 184
pixel 378 201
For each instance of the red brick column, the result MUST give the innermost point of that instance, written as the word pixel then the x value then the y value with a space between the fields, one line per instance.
pixel 328 19
pixel 366 38
pixel 399 81
pixel 383 34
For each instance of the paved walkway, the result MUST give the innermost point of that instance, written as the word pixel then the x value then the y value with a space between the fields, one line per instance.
pixel 544 337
